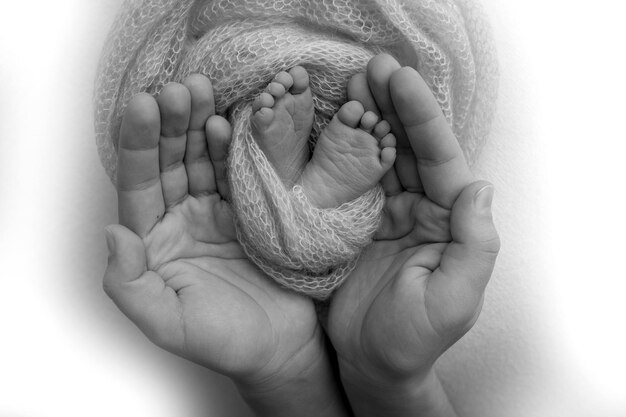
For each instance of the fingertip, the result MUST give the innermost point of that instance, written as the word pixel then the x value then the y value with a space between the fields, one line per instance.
pixel 471 219
pixel 175 108
pixel 202 100
pixel 412 98
pixel 218 130
pixel 483 198
pixel 141 123
pixel 126 260
pixel 119 236
pixel 380 67
pixel 442 168
pixel 477 195
pixel 109 237
pixel 199 83
pixel 219 134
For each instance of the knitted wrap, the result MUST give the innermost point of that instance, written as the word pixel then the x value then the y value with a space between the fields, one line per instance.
pixel 240 45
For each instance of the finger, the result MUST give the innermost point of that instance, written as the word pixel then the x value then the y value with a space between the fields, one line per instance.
pixel 140 294
pixel 140 197
pixel 475 242
pixel 218 133
pixel 175 107
pixel 379 72
pixel 440 161
pixel 468 262
pixel 200 175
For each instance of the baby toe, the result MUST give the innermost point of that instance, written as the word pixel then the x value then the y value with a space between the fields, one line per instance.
pixel 351 113
pixel 382 129
pixel 262 100
pixel 368 121
pixel 387 158
pixel 388 141
pixel 276 89
pixel 263 117
pixel 285 79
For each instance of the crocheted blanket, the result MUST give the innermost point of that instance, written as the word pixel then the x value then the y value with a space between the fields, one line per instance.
pixel 240 45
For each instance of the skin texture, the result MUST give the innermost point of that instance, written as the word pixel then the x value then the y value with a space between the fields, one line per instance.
pixel 350 157
pixel 176 270
pixel 282 122
pixel 420 286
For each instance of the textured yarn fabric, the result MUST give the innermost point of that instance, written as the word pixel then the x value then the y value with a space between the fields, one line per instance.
pixel 240 45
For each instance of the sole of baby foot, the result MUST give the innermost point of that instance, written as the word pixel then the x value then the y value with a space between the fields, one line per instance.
pixel 281 123
pixel 352 154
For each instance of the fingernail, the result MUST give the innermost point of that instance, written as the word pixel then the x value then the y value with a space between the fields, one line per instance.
pixel 108 234
pixel 484 197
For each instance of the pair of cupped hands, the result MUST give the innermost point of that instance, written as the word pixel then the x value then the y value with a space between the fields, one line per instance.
pixel 178 272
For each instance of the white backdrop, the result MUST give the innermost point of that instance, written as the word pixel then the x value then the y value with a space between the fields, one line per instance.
pixel 551 338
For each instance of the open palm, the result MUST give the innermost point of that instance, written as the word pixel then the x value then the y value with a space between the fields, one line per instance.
pixel 419 286
pixel 178 271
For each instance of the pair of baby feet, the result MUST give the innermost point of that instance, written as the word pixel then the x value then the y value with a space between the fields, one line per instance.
pixel 351 155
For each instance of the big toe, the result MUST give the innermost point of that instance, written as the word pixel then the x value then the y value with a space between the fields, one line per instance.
pixel 359 90
pixel 300 79
pixel 351 113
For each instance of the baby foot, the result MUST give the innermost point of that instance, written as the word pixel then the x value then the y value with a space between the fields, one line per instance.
pixel 281 123
pixel 352 154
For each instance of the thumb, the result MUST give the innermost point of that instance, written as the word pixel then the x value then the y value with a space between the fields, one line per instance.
pixel 127 258
pixel 139 293
pixel 471 256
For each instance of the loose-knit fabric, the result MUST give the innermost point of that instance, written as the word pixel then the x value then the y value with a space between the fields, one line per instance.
pixel 240 45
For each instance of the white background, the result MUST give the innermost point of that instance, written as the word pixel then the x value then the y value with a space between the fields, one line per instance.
pixel 551 339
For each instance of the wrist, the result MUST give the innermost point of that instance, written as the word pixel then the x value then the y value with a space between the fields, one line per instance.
pixel 373 395
pixel 304 386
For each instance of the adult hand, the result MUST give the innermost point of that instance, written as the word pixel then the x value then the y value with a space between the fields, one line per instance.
pixel 419 287
pixel 176 268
